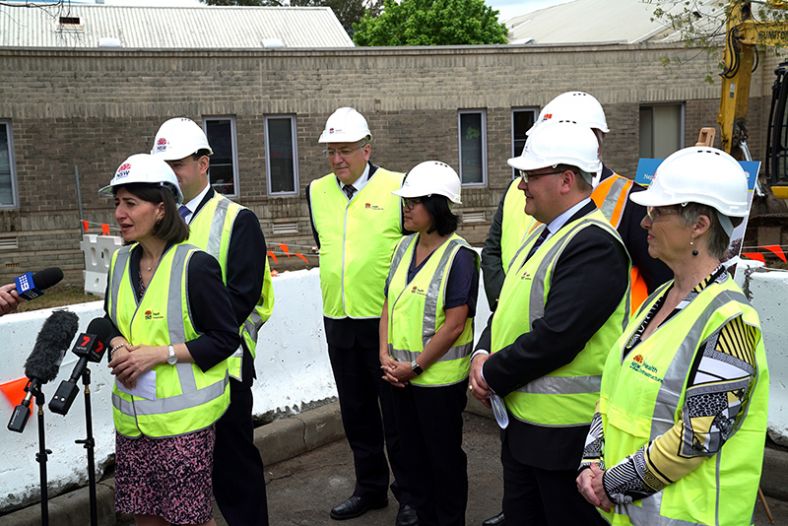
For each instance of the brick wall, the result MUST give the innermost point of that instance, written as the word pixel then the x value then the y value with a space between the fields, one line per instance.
pixel 91 109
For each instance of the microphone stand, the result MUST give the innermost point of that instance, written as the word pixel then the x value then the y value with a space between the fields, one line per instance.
pixel 89 444
pixel 41 456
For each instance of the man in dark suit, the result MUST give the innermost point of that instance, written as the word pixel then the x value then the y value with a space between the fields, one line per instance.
pixel 238 475
pixel 561 308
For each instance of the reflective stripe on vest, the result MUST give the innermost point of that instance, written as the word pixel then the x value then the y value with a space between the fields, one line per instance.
pixel 405 343
pixel 611 196
pixel 566 396
pixel 211 229
pixel 637 408
pixel 187 399
pixel 357 238
pixel 515 223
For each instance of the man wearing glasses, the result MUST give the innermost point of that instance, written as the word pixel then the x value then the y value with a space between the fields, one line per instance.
pixel 357 222
pixel 561 308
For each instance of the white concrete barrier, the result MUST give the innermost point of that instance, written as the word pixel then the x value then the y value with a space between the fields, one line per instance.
pixel 769 292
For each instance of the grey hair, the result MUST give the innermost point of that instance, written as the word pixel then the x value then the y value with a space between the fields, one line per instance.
pixel 718 238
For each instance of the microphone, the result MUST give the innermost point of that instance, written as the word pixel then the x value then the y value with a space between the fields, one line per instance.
pixel 30 286
pixel 44 361
pixel 90 347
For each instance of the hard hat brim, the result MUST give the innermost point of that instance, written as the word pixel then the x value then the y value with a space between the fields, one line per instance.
pixel 176 155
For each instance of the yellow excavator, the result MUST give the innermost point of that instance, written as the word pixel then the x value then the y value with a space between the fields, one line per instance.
pixel 742 37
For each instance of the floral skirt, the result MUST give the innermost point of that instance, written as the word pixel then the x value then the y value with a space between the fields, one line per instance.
pixel 165 477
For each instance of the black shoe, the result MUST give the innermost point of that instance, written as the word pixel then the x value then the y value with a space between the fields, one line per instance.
pixel 355 507
pixel 406 516
pixel 495 520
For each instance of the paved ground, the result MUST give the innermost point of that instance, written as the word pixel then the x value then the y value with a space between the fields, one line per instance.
pixel 301 491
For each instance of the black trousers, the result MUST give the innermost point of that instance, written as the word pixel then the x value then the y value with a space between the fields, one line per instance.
pixel 238 474
pixel 365 402
pixel 429 420
pixel 540 497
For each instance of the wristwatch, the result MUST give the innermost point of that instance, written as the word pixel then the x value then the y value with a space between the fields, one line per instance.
pixel 416 368
pixel 172 358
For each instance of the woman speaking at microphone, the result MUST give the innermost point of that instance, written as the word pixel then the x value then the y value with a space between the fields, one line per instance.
pixel 426 335
pixel 169 357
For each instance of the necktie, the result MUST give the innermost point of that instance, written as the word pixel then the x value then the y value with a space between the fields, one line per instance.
pixel 538 243
pixel 184 211
pixel 349 190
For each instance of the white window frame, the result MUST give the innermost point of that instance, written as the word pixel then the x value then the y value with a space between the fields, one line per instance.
pixel 483 113
pixel 12 165
pixel 234 140
pixel 294 138
pixel 515 153
pixel 682 118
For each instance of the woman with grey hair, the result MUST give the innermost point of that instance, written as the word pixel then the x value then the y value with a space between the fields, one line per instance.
pixel 679 431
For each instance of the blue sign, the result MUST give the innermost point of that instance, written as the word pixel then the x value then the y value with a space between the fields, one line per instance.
pixel 647 167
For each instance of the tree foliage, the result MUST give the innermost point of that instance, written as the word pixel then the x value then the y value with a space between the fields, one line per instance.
pixel 431 23
pixel 348 12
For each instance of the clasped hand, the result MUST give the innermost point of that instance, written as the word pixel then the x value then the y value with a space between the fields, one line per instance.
pixel 129 362
pixel 396 373
pixel 591 487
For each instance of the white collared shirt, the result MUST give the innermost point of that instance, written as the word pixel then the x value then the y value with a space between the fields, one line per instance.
pixel 360 183
pixel 556 224
pixel 194 203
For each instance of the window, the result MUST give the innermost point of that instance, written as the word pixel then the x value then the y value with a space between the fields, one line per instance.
pixel 522 120
pixel 473 147
pixel 661 130
pixel 7 170
pixel 281 156
pixel 224 161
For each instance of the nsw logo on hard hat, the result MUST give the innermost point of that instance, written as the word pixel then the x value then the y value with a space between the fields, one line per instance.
pixel 123 171
pixel 161 144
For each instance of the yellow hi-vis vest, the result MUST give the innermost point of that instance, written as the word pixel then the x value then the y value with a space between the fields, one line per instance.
pixel 357 239
pixel 515 223
pixel 187 399
pixel 642 396
pixel 211 229
pixel 417 307
pixel 611 196
pixel 567 396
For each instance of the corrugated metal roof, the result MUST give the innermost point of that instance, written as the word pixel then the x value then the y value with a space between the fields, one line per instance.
pixel 201 27
pixel 600 21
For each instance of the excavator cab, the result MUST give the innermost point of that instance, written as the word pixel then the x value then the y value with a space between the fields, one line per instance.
pixel 777 137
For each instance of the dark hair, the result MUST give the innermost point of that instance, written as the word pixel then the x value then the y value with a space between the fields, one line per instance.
pixel 199 153
pixel 443 220
pixel 171 228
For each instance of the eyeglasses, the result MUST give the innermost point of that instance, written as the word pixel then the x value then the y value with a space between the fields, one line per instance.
pixel 343 152
pixel 410 202
pixel 526 176
pixel 655 212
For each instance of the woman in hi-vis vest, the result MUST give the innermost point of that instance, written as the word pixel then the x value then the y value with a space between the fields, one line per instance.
pixel 426 336
pixel 169 354
pixel 679 432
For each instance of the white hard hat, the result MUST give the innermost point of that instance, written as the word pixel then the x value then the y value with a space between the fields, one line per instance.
pixel 179 138
pixel 698 174
pixel 431 178
pixel 345 125
pixel 144 168
pixel 578 106
pixel 557 142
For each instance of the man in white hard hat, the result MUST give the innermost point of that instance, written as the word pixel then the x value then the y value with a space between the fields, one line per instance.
pixel 357 222
pixel 232 235
pixel 610 194
pixel 562 306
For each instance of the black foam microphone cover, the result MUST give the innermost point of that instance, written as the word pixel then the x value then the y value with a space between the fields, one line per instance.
pixel 47 278
pixel 51 344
